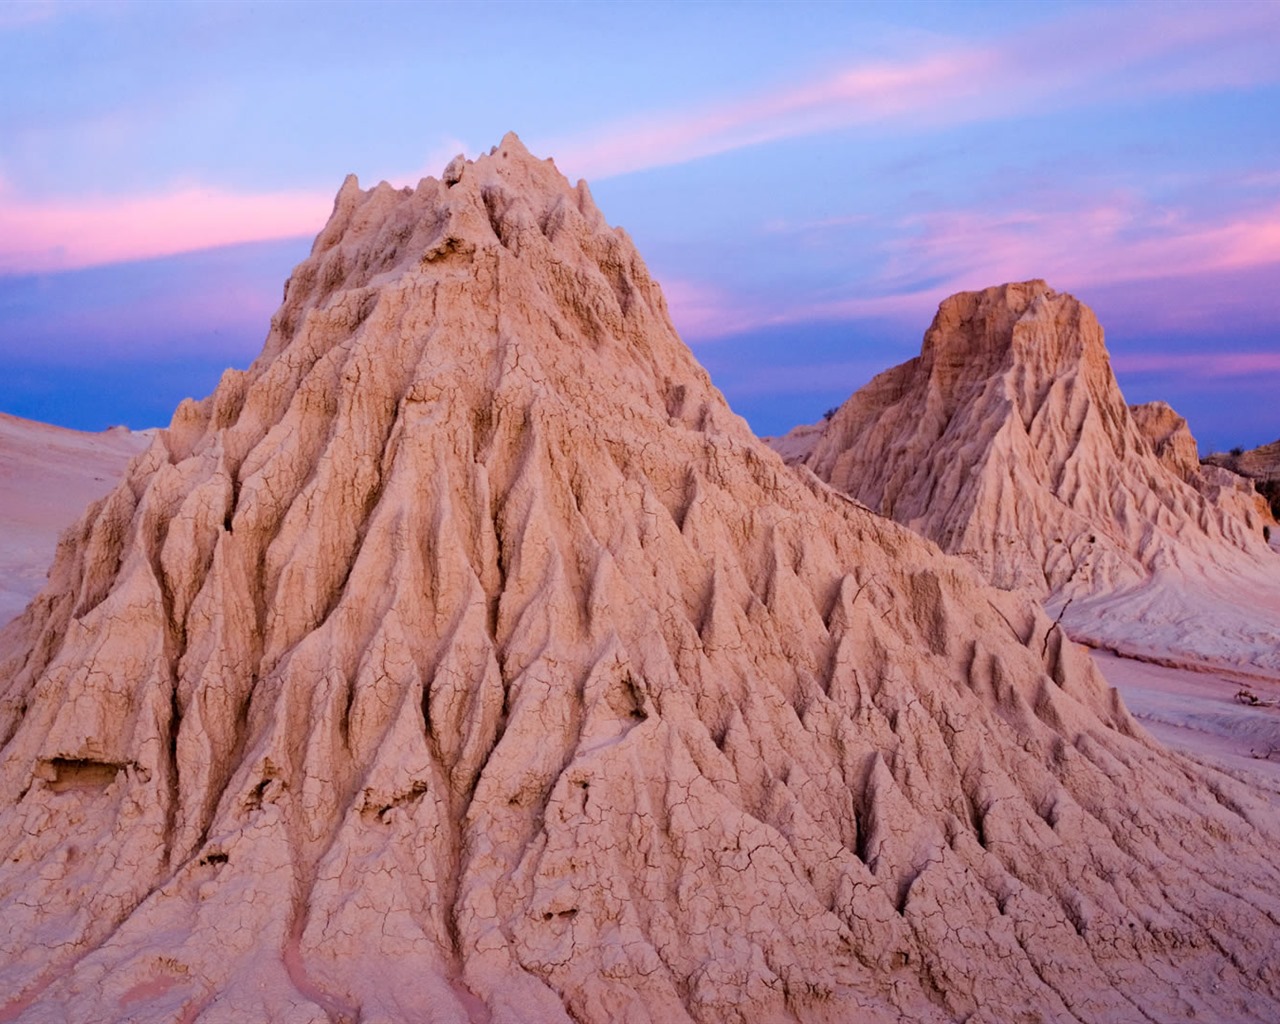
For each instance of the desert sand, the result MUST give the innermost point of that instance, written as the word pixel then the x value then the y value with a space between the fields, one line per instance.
pixel 467 659
pixel 1198 713
pixel 47 477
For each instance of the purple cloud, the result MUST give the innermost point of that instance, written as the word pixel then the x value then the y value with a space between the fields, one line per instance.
pixel 66 234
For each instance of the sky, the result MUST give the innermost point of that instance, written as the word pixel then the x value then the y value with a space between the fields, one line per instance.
pixel 806 180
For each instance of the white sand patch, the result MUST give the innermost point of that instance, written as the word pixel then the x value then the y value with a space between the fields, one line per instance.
pixel 1197 713
pixel 48 475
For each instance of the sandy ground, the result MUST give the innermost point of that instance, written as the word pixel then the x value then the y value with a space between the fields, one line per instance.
pixel 1197 713
pixel 48 475
pixel 1221 615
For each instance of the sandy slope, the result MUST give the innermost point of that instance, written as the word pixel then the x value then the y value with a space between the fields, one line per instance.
pixel 1196 616
pixel 47 477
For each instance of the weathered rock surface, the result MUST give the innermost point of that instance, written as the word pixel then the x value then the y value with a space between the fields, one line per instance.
pixel 45 473
pixel 1171 440
pixel 1261 465
pixel 1007 441
pixel 466 659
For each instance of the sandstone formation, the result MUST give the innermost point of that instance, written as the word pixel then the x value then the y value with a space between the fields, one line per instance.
pixel 466 659
pixel 47 476
pixel 1261 465
pixel 1171 441
pixel 1170 438
pixel 1007 441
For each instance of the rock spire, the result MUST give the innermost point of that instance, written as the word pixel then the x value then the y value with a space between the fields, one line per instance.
pixel 1008 442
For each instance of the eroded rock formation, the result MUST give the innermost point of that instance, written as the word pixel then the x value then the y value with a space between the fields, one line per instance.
pixel 1171 441
pixel 1261 465
pixel 466 659
pixel 1007 441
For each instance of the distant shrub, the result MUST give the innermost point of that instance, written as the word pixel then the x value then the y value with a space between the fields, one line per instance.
pixel 831 412
pixel 1236 452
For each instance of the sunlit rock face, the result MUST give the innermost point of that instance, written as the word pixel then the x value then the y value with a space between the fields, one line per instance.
pixel 1170 438
pixel 466 659
pixel 1007 441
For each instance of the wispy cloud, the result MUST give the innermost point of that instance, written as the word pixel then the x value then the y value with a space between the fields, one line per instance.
pixel 803 378
pixel 1099 55
pixel 1121 239
pixel 1077 244
pixel 71 233
pixel 1212 365
pixel 860 95
pixel 704 311
pixel 156 322
pixel 65 234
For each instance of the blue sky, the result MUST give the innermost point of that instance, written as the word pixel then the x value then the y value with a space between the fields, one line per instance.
pixel 808 181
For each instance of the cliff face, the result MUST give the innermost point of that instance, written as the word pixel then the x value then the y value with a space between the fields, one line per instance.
pixel 466 659
pixel 1170 438
pixel 1260 465
pixel 1007 441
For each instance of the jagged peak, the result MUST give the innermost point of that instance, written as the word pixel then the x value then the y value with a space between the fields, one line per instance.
pixel 1025 329
pixel 508 167
pixel 505 202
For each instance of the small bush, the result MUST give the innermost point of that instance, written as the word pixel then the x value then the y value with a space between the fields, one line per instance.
pixel 1236 452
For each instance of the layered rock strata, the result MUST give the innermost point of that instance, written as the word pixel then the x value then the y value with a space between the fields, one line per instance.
pixel 466 659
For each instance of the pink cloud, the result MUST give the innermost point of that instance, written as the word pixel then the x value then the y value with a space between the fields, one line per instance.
pixel 1085 245
pixel 861 95
pixel 1190 270
pixel 703 311
pixel 179 321
pixel 16 14
pixel 1071 246
pixel 1083 58
pixel 808 378
pixel 65 234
